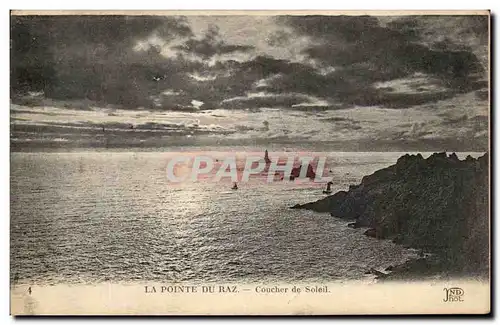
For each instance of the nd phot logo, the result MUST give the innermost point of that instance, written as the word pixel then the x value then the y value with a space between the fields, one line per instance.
pixel 453 294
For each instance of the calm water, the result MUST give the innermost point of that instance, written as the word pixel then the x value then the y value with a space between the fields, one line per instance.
pixel 90 217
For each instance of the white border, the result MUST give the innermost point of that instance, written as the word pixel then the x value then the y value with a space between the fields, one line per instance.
pixel 191 5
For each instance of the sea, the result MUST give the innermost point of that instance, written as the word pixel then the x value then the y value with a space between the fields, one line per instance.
pixel 100 216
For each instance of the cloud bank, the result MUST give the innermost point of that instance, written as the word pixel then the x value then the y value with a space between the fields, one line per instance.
pixel 330 69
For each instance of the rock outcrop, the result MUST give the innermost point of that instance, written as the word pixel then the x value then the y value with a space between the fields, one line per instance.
pixel 439 204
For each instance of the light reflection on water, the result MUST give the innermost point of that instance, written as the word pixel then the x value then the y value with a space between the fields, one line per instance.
pixel 94 216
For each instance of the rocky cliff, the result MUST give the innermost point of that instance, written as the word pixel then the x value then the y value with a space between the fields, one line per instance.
pixel 439 204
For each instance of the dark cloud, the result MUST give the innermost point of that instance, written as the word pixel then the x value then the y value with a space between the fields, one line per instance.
pixel 350 28
pixel 236 79
pixel 363 52
pixel 396 50
pixel 276 76
pixel 345 87
pixel 211 45
pixel 93 57
pixel 462 30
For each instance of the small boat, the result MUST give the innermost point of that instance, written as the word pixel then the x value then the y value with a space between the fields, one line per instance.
pixel 266 157
pixel 328 188
pixel 235 186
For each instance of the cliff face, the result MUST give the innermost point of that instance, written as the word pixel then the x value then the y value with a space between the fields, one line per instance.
pixel 439 204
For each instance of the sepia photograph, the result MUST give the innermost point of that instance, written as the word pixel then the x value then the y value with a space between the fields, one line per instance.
pixel 249 162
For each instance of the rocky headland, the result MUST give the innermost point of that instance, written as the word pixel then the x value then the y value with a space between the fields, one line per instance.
pixel 439 205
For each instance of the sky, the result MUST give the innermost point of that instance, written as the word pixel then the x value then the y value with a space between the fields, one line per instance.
pixel 343 82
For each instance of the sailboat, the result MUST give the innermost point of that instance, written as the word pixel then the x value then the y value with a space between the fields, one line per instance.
pixel 235 186
pixel 266 157
pixel 328 188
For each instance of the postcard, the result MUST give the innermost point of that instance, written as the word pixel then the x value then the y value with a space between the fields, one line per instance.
pixel 250 162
